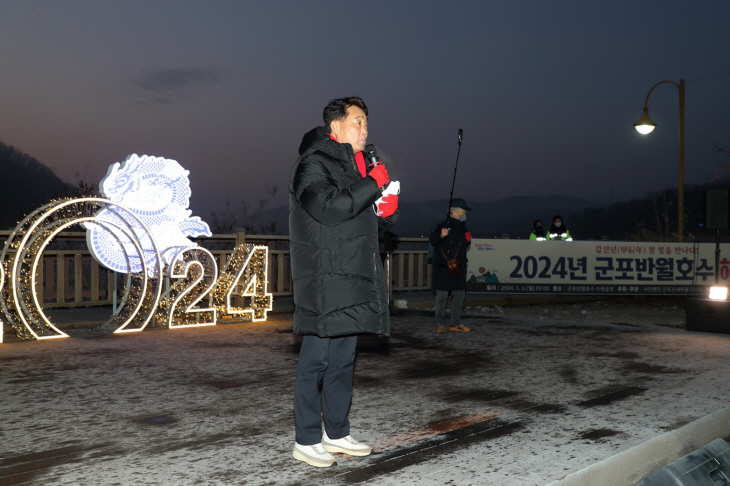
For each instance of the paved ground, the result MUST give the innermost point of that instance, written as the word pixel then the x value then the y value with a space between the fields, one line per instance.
pixel 517 401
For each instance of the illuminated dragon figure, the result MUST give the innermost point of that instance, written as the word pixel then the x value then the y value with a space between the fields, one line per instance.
pixel 157 191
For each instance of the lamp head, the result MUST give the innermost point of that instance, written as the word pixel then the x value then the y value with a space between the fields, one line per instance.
pixel 645 124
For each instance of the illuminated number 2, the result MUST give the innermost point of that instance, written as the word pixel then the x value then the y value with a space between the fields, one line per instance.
pixel 194 271
pixel 244 274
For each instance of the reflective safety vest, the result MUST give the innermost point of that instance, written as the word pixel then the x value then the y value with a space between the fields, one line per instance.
pixel 533 236
pixel 560 236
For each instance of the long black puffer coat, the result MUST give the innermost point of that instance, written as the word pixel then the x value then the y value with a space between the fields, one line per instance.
pixel 339 285
pixel 442 279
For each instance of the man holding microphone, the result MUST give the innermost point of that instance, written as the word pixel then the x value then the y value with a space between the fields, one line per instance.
pixel 339 285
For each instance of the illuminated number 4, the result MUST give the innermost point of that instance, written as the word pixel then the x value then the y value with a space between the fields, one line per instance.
pixel 244 275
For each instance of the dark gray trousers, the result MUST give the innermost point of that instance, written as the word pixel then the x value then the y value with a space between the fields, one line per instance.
pixel 457 305
pixel 328 363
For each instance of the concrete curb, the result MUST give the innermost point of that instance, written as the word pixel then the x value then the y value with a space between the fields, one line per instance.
pixel 632 465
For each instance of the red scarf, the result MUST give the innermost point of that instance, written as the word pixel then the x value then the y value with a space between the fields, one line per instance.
pixel 359 159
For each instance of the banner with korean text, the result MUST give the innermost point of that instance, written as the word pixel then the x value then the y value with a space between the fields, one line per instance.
pixel 594 267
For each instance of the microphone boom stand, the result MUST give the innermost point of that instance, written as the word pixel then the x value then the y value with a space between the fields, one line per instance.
pixel 451 196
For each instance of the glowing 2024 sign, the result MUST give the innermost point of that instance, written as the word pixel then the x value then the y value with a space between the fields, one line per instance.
pixel 140 228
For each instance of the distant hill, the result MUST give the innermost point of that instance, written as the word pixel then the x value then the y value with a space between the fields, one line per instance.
pixel 650 218
pixel 25 184
pixel 512 215
pixel 653 217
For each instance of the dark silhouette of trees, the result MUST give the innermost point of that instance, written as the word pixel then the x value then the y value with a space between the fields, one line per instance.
pixel 652 218
pixel 26 185
pixel 254 218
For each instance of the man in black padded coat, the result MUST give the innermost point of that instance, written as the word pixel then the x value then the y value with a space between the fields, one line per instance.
pixel 339 285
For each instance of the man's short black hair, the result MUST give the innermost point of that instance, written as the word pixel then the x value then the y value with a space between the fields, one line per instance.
pixel 337 109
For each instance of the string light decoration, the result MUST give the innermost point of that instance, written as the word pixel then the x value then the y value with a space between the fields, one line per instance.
pixel 244 274
pixel 23 252
pixel 137 241
pixel 157 191
pixel 2 285
pixel 194 272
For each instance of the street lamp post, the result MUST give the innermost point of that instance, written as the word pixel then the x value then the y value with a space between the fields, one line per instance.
pixel 645 125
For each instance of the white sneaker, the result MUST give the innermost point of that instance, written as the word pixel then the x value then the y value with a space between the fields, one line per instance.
pixel 314 455
pixel 346 445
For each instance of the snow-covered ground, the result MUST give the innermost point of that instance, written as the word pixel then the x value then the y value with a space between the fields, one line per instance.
pixel 554 389
pixel 647 312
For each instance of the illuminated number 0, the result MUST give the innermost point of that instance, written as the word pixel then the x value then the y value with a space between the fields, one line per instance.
pixel 2 283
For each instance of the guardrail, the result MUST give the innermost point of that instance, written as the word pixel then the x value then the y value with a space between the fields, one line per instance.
pixel 70 276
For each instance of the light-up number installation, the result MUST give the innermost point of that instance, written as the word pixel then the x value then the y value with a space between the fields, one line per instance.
pixel 193 272
pixel 148 243
pixel 23 252
pixel 2 285
pixel 246 269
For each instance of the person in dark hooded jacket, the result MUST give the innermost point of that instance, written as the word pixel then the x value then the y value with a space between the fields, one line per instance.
pixel 450 240
pixel 558 230
pixel 339 285
pixel 538 234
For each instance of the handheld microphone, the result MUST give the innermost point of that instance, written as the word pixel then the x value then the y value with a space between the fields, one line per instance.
pixel 461 135
pixel 371 154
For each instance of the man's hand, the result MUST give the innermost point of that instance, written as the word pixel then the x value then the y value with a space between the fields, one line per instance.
pixel 445 232
pixel 467 236
pixel 388 205
pixel 380 174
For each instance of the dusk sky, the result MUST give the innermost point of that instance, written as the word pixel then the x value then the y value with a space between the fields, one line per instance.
pixel 545 91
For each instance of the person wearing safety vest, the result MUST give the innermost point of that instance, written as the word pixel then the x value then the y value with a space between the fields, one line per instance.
pixel 539 233
pixel 558 231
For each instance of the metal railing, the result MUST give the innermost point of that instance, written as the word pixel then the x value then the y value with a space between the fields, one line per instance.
pixel 410 269
pixel 70 277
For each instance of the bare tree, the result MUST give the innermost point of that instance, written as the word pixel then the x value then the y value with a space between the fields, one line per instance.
pixel 87 188
pixel 659 221
pixel 271 191
pixel 225 222
pixel 250 217
pixel 722 173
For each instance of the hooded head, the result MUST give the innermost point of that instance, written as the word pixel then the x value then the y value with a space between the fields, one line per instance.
pixel 558 222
